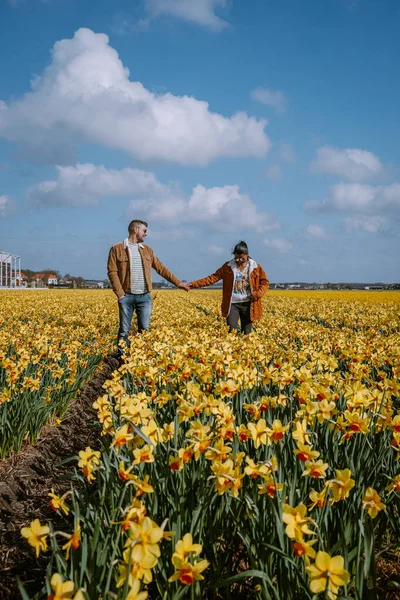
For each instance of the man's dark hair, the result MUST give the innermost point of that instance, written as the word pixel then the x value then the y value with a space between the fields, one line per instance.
pixel 241 248
pixel 134 224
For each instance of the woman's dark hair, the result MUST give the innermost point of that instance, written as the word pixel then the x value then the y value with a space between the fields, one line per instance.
pixel 241 248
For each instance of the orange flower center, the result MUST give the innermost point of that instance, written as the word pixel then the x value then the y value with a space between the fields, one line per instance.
pixel 355 427
pixel 186 577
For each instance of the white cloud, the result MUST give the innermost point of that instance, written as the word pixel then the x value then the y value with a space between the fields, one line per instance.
pixel 85 95
pixel 274 98
pixel 372 224
pixel 223 208
pixel 287 153
pixel 273 172
pixel 280 244
pixel 201 12
pixel 7 206
pixel 350 163
pixel 84 184
pixel 227 209
pixel 360 199
pixel 316 231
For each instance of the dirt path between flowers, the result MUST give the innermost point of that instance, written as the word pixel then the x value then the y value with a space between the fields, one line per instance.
pixel 27 478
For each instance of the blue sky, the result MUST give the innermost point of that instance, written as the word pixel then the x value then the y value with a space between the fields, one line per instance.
pixel 215 121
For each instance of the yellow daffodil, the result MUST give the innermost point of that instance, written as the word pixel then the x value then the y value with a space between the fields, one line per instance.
pixel 270 487
pixel 296 521
pixel 58 502
pixel 135 593
pixel 341 486
pixel 258 432
pixel 372 502
pixel 186 572
pixel 315 468
pixel 327 574
pixel 63 590
pixel 74 541
pixel 305 453
pixel 36 535
pixel 276 431
pixel 185 547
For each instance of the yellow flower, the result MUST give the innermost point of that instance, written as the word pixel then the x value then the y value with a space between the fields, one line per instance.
pixel 73 542
pixel 301 434
pixel 226 388
pixel 185 547
pixel 135 593
pixel 243 433
pixel 296 521
pixel 140 569
pixel 340 486
pixel 218 452
pixel 356 423
pixel 394 485
pixel 276 431
pixel 372 502
pixel 88 460
pixel 186 572
pixel 63 589
pixel 142 485
pixel 270 487
pixel 122 436
pixel 258 432
pixel 57 502
pixel 144 538
pixel 318 498
pixel 254 470
pixel 135 513
pixel 305 453
pixel 125 474
pixel 316 469
pixel 327 573
pixel 36 534
pixel 175 463
pixel 302 548
pixel 152 432
pixel 144 454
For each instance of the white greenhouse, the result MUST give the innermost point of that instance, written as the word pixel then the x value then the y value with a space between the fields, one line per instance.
pixel 10 270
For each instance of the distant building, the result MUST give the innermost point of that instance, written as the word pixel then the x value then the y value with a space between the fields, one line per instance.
pixel 93 284
pixel 22 280
pixel 10 270
pixel 52 279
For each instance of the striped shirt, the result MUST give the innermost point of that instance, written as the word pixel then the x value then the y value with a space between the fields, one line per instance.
pixel 138 282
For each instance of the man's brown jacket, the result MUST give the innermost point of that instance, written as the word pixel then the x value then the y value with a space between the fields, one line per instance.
pixel 119 268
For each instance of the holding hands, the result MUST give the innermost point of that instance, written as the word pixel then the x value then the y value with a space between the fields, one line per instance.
pixel 185 286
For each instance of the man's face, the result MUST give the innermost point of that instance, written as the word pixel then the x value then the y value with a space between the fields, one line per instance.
pixel 141 233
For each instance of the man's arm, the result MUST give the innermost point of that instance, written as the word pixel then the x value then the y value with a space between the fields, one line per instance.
pixel 166 273
pixel 112 270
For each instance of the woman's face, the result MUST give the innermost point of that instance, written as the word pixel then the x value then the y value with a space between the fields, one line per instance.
pixel 241 259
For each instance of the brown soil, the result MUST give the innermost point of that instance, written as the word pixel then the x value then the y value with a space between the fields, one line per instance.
pixel 27 478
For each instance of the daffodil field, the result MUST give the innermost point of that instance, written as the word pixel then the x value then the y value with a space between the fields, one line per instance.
pixel 50 343
pixel 262 467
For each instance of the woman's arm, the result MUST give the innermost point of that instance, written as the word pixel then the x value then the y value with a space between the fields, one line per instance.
pixel 208 280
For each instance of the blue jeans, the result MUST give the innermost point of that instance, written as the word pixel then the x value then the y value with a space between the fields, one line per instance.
pixel 127 305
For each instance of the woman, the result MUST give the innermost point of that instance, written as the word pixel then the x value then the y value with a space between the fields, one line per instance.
pixel 244 283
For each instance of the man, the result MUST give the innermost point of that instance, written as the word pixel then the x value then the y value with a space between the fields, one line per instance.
pixel 129 270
